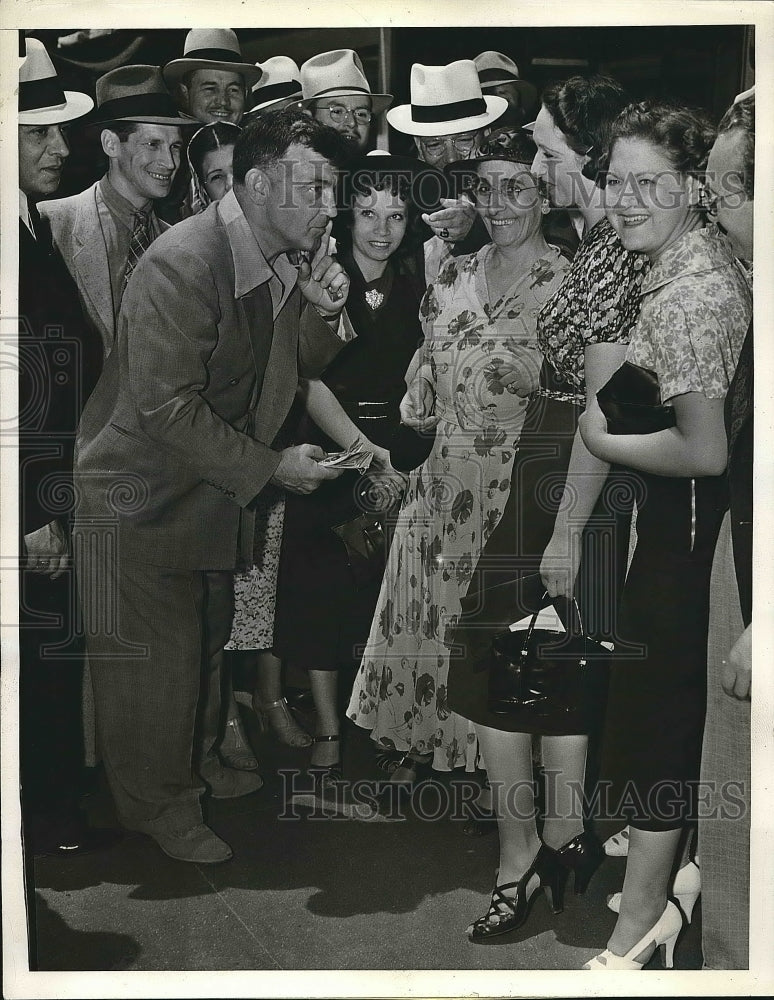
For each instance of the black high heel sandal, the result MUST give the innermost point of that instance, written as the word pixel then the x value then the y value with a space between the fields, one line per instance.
pixel 581 855
pixel 512 911
pixel 326 776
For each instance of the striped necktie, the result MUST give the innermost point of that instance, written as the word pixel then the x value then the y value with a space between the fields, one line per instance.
pixel 138 244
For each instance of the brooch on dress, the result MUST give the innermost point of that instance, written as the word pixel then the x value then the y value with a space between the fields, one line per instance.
pixel 374 298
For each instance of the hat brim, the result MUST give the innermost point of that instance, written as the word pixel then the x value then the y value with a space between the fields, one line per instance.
pixel 401 120
pixel 174 71
pixel 379 102
pixel 523 86
pixel 97 118
pixel 291 101
pixel 76 105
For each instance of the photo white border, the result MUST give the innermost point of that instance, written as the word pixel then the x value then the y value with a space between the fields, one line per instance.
pixel 759 981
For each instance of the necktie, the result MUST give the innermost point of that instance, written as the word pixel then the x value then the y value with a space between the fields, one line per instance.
pixel 138 244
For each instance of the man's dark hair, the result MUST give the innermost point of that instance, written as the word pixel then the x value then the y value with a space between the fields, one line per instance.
pixel 122 129
pixel 740 117
pixel 267 139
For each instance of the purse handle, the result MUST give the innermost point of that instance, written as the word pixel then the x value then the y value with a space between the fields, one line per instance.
pixel 533 622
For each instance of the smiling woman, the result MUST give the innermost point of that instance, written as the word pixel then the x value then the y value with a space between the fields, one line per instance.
pixel 696 306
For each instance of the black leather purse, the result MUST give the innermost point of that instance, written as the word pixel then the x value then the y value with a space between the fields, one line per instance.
pixel 631 401
pixel 364 539
pixel 550 682
pixel 409 448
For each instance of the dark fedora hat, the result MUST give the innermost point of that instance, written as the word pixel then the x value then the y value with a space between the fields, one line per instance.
pixel 136 94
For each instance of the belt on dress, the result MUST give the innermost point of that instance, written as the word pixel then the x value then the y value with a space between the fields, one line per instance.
pixel 368 409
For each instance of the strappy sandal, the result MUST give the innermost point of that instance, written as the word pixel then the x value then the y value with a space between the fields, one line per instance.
pixel 507 913
pixel 276 717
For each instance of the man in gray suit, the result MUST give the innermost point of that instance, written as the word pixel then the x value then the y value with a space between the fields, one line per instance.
pixel 175 444
pixel 102 231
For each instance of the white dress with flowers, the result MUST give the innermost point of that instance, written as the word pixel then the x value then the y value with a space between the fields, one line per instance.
pixel 452 504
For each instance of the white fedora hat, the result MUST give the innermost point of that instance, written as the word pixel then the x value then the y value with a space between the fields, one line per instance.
pixel 338 73
pixel 446 100
pixel 280 80
pixel 210 48
pixel 42 101
pixel 495 69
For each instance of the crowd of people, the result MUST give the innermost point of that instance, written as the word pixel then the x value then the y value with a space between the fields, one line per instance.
pixel 348 413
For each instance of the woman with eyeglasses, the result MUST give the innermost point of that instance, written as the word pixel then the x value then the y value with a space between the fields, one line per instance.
pixel 478 364
pixel 565 528
pixel 695 311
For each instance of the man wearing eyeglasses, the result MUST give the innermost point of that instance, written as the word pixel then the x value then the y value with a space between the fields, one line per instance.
pixel 447 113
pixel 336 93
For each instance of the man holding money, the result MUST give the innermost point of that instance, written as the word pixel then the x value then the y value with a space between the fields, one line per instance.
pixel 215 330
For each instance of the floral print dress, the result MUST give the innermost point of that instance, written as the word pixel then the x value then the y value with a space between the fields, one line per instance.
pixel 453 501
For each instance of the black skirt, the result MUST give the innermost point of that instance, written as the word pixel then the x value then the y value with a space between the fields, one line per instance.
pixel 507 584
pixel 657 696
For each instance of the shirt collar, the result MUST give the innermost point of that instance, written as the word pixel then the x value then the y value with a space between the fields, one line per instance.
pixel 697 252
pixel 251 268
pixel 119 207
pixel 24 210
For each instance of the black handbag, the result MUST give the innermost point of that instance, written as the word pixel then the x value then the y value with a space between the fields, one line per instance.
pixel 364 539
pixel 410 448
pixel 631 401
pixel 555 683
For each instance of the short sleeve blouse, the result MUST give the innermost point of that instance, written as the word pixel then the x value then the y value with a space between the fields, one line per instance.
pixel 696 308
pixel 597 303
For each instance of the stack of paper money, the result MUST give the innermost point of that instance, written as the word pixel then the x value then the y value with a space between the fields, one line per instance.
pixel 355 457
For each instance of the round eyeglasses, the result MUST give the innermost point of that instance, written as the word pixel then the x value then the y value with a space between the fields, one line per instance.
pixel 461 143
pixel 511 190
pixel 339 114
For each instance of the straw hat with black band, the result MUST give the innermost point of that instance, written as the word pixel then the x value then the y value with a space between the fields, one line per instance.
pixel 42 100
pixel 497 70
pixel 446 100
pixel 338 73
pixel 211 48
pixel 280 82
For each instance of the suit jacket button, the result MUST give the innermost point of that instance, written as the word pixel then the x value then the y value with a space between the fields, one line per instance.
pixel 233 381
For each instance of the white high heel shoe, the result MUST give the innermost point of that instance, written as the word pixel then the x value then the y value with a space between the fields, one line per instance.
pixel 685 889
pixel 663 935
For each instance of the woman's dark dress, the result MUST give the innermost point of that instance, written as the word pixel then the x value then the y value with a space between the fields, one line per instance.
pixel 696 307
pixel 323 612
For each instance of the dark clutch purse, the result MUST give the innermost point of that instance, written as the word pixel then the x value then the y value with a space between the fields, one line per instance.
pixel 364 539
pixel 631 401
pixel 551 683
pixel 410 448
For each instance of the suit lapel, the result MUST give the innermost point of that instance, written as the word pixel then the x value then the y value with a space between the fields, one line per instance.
pixel 90 262
pixel 275 352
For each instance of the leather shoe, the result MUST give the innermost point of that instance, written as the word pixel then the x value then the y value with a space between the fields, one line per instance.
pixel 86 840
pixel 199 845
pixel 226 783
